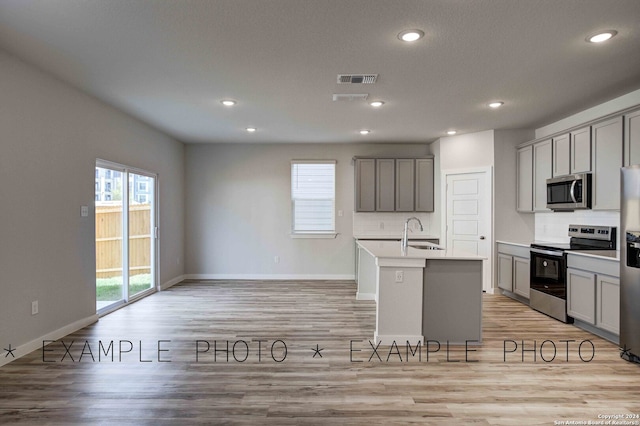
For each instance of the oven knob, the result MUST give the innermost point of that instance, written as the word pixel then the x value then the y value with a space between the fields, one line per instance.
pixel 544 263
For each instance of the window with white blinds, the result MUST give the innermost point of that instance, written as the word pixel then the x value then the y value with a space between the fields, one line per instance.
pixel 313 196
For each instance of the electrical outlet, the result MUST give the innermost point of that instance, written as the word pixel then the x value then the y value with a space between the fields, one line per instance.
pixel 276 259
pixel 340 213
pixel 399 276
pixel 84 211
pixel 381 225
pixel 34 307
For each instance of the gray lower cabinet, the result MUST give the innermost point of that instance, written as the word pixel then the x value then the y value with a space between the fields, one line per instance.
pixel 606 162
pixel 608 303
pixel 593 292
pixel 365 185
pixel 405 184
pixel 505 271
pixel 424 184
pixel 632 138
pixel 521 273
pixel 513 269
pixel 385 185
pixel 581 295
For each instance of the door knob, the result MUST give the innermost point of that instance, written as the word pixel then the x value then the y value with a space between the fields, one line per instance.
pixel 482 237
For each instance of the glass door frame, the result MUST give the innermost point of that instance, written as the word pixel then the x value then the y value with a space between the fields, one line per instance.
pixel 126 293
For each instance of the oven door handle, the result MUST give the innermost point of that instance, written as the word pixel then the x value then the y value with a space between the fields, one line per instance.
pixel 547 252
pixel 572 191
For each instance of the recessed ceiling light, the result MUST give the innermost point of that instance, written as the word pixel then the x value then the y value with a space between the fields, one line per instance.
pixel 600 37
pixel 376 104
pixel 228 102
pixel 251 129
pixel 411 35
pixel 496 104
pixel 365 132
pixel 451 132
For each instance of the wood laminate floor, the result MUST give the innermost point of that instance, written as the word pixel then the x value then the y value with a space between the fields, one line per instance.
pixel 272 329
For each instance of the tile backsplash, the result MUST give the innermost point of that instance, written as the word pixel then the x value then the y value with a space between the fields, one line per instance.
pixel 553 226
pixel 391 224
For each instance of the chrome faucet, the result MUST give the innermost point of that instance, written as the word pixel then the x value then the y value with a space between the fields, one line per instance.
pixel 405 235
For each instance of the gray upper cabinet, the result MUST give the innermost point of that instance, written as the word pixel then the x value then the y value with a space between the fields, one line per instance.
pixel 405 184
pixel 542 156
pixel 632 138
pixel 394 184
pixel 581 150
pixel 606 161
pixel 524 159
pixel 385 185
pixel 561 155
pixel 424 185
pixel 365 185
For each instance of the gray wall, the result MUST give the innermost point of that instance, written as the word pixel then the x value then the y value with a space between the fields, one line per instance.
pixel 496 149
pixel 51 137
pixel 238 210
pixel 509 224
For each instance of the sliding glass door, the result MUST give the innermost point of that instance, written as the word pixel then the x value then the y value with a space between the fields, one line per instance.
pixel 125 216
pixel 141 233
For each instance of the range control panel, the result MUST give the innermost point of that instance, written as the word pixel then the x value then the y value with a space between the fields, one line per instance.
pixel 606 233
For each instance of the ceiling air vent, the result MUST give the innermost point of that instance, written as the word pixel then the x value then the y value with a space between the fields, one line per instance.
pixel 350 96
pixel 357 78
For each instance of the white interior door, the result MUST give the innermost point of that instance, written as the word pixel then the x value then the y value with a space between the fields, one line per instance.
pixel 468 216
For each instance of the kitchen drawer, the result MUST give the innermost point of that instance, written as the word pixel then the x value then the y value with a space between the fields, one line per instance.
pixel 514 250
pixel 592 264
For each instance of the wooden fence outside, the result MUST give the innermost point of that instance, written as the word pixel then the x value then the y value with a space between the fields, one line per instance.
pixel 109 240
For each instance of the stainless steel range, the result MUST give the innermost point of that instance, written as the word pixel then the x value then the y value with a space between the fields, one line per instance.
pixel 548 272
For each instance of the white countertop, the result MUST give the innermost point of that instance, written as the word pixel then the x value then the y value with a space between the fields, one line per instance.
pixel 392 250
pixel 599 254
pixel 512 243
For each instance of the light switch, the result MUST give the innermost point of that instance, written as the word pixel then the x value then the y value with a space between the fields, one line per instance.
pixel 84 211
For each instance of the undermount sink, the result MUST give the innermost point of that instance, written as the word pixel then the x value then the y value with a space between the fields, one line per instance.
pixel 425 247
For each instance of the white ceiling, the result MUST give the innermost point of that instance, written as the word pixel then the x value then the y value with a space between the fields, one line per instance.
pixel 169 63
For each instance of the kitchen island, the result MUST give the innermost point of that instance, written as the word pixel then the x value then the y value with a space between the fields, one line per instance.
pixel 425 293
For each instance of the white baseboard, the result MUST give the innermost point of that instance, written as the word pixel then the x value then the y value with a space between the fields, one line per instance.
pixel 298 277
pixel 36 344
pixel 365 296
pixel 172 282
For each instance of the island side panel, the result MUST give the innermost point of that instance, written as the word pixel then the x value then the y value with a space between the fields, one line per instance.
pixel 399 307
pixel 452 301
pixel 366 276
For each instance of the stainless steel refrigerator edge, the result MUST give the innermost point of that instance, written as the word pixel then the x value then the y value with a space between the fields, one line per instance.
pixel 630 263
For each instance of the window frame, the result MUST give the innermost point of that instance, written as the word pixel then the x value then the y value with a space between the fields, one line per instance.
pixel 319 233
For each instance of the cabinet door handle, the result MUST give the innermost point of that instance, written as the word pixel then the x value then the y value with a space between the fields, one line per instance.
pixel 482 237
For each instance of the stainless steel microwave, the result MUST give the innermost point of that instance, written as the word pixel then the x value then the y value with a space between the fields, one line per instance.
pixel 571 192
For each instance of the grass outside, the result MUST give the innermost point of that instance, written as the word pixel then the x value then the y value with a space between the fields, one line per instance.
pixel 110 289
